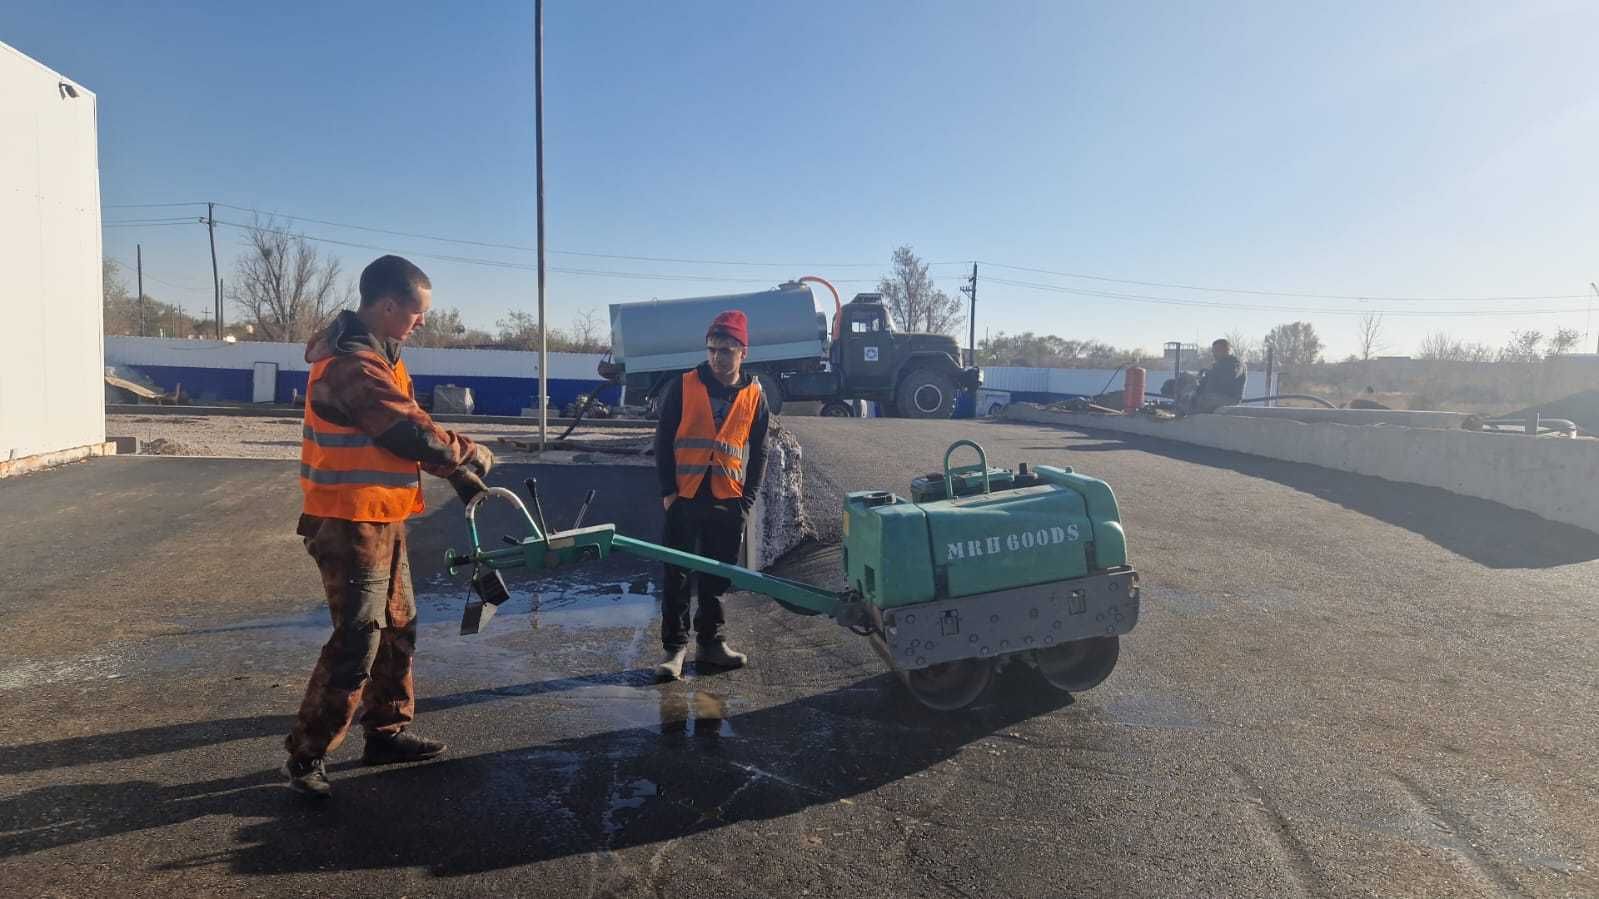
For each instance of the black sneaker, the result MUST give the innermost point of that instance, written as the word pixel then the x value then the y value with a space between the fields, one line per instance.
pixel 308 777
pixel 386 749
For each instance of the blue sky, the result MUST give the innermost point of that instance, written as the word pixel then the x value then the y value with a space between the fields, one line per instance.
pixel 1352 149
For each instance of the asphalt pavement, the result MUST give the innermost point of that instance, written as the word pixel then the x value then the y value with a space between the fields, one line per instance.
pixel 1339 686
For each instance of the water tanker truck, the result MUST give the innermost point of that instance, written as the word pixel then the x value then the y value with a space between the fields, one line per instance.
pixel 793 352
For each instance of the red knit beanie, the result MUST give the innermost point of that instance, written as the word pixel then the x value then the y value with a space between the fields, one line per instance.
pixel 731 323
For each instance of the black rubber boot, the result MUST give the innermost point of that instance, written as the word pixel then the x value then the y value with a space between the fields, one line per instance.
pixel 386 749
pixel 308 777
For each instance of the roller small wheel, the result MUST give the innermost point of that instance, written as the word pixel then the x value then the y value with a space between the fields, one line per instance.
pixel 1079 664
pixel 950 685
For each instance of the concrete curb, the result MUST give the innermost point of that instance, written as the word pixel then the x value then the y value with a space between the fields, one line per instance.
pixel 60 457
pixel 1405 418
pixel 1556 478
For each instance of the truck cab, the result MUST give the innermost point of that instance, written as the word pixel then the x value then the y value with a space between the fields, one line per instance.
pixel 864 352
pixel 911 375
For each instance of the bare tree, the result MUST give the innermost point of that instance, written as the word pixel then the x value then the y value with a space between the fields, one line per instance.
pixel 446 328
pixel 1563 341
pixel 283 286
pixel 519 330
pixel 119 308
pixel 1371 335
pixel 589 334
pixel 1439 346
pixel 1244 346
pixel 912 300
pixel 1523 347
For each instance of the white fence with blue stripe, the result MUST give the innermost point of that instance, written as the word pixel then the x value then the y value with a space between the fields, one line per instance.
pixel 503 382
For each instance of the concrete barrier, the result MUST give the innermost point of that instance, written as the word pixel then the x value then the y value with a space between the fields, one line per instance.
pixel 41 461
pixel 1404 418
pixel 1557 478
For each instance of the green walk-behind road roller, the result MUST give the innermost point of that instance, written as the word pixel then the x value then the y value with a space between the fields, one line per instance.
pixel 980 568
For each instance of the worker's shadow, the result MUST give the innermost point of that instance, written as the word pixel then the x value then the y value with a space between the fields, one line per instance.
pixel 1484 531
pixel 696 770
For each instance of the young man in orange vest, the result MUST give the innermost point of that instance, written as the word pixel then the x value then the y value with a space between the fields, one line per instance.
pixel 710 453
pixel 366 443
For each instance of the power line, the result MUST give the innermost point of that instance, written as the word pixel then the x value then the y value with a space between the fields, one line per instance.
pixel 1205 304
pixel 747 263
pixel 1278 293
pixel 521 266
pixel 522 248
pixel 147 205
pixel 147 223
pixel 124 264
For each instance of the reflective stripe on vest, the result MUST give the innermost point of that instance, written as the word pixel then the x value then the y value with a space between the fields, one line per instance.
pixel 345 474
pixel 701 449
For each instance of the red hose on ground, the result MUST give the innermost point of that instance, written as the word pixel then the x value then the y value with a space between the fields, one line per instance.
pixel 838 304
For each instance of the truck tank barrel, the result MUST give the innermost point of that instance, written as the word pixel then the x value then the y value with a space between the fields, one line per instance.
pixel 669 335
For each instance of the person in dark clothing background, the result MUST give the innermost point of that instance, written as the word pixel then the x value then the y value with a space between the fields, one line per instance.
pixel 1223 383
pixel 710 455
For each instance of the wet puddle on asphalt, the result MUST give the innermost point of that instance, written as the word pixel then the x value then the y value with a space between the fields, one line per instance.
pixel 586 637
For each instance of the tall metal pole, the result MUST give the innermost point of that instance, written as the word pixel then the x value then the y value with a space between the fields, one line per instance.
pixel 216 284
pixel 138 249
pixel 538 143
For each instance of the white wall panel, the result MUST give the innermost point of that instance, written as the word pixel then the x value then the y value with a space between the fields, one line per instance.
pixel 51 394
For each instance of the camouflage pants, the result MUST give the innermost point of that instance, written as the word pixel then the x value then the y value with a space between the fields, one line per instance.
pixel 367 661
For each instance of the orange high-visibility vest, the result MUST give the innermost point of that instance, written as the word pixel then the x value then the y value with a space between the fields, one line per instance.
pixel 343 474
pixel 700 448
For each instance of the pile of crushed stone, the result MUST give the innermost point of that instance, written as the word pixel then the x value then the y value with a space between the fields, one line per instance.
pixel 162 446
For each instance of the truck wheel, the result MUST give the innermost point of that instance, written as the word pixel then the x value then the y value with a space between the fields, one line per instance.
pixel 836 409
pixel 926 393
pixel 773 393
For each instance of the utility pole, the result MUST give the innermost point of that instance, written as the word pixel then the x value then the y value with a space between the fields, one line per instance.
pixel 971 318
pixel 538 143
pixel 216 284
pixel 222 290
pixel 138 248
pixel 1590 316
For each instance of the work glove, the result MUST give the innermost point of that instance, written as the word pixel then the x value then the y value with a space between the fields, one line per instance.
pixel 467 485
pixel 480 462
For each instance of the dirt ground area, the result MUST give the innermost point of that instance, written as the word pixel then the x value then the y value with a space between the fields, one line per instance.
pixel 242 437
